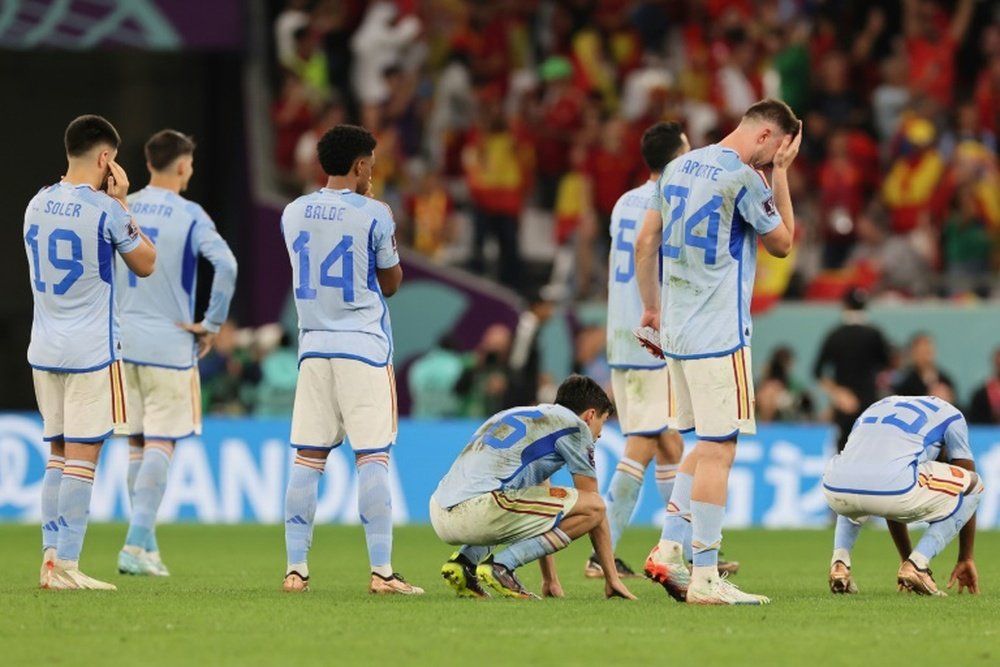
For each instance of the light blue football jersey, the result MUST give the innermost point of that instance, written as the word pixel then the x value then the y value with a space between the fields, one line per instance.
pixel 890 438
pixel 71 233
pixel 518 448
pixel 624 302
pixel 151 307
pixel 713 205
pixel 336 240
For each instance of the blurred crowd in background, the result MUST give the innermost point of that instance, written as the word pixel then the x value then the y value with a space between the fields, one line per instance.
pixel 507 131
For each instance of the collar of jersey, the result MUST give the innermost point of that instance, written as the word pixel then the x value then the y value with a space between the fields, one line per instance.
pixel 341 191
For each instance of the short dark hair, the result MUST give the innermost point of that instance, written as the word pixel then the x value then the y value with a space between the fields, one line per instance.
pixel 660 144
pixel 777 112
pixel 166 146
pixel 341 146
pixel 579 393
pixel 88 131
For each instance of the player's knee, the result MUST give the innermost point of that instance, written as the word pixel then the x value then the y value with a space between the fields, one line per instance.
pixel 591 504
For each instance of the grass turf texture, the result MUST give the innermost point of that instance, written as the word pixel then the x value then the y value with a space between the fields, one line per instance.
pixel 223 606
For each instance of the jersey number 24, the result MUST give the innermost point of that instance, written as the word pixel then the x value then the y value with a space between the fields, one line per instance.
pixel 684 229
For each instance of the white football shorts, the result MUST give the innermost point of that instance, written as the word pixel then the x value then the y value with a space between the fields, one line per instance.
pixel 335 398
pixel 935 496
pixel 641 400
pixel 503 517
pixel 163 403
pixel 712 396
pixel 82 407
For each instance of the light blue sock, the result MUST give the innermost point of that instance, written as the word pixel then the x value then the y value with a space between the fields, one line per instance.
pixel 941 533
pixel 300 507
pixel 533 548
pixel 375 509
pixel 134 463
pixel 50 501
pixel 474 553
pixel 677 523
pixel 623 493
pixel 151 543
pixel 706 533
pixel 686 545
pixel 74 507
pixel 150 483
pixel 666 475
pixel 845 535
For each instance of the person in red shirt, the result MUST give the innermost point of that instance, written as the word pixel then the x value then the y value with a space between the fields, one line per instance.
pixel 841 191
pixel 931 43
pixel 561 113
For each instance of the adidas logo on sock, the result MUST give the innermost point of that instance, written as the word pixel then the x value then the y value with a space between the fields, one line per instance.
pixel 298 520
pixel 51 526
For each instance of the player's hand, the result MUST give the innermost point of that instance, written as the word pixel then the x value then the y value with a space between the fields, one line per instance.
pixel 966 576
pixel 552 589
pixel 205 338
pixel 617 589
pixel 650 318
pixel 117 181
pixel 788 150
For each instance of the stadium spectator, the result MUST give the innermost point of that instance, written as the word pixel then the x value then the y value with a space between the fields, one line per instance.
pixel 433 380
pixel 850 358
pixel 887 262
pixel 378 44
pixel 562 106
pixel 780 395
pixel 307 168
pixel 932 41
pixel 985 407
pixel 486 383
pixel 842 192
pixel 430 210
pixel 526 378
pixel 922 375
pixel 279 370
pixel 967 246
pixel 292 115
pixel 291 19
pixel 498 170
pixel 229 373
pixel 912 182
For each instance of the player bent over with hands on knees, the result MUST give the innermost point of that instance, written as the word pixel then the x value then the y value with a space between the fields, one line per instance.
pixel 497 492
pixel 703 220
pixel 72 231
pixel 342 248
pixel 907 459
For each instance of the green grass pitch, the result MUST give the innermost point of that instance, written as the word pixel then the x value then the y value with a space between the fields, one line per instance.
pixel 223 606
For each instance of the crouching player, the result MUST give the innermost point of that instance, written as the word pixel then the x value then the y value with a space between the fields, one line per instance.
pixel 892 467
pixel 497 492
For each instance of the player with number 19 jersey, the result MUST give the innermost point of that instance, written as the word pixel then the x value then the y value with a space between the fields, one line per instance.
pixel 71 234
pixel 336 240
pixel 711 202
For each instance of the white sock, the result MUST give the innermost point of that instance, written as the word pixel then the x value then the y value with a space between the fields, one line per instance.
pixel 384 571
pixel 919 560
pixel 301 568
pixel 842 555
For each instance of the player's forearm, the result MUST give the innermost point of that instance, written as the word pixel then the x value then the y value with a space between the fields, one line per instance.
pixel 600 539
pixel 547 564
pixel 967 540
pixel 223 287
pixel 783 199
pixel 647 249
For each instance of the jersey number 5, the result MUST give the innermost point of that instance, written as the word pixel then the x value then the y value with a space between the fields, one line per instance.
pixel 626 246
pixel 343 282
pixel 72 265
pixel 517 429
pixel 707 240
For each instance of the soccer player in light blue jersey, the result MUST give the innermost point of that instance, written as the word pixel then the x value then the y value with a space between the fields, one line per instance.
pixel 639 380
pixel 342 248
pixel 159 335
pixel 72 231
pixel 703 220
pixel 907 459
pixel 497 492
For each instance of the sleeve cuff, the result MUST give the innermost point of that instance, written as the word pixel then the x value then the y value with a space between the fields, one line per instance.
pixel 211 327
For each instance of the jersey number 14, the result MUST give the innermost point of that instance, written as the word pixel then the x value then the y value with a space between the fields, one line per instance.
pixel 342 253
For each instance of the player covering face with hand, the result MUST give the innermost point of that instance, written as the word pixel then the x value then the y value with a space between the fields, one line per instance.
pixel 498 493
